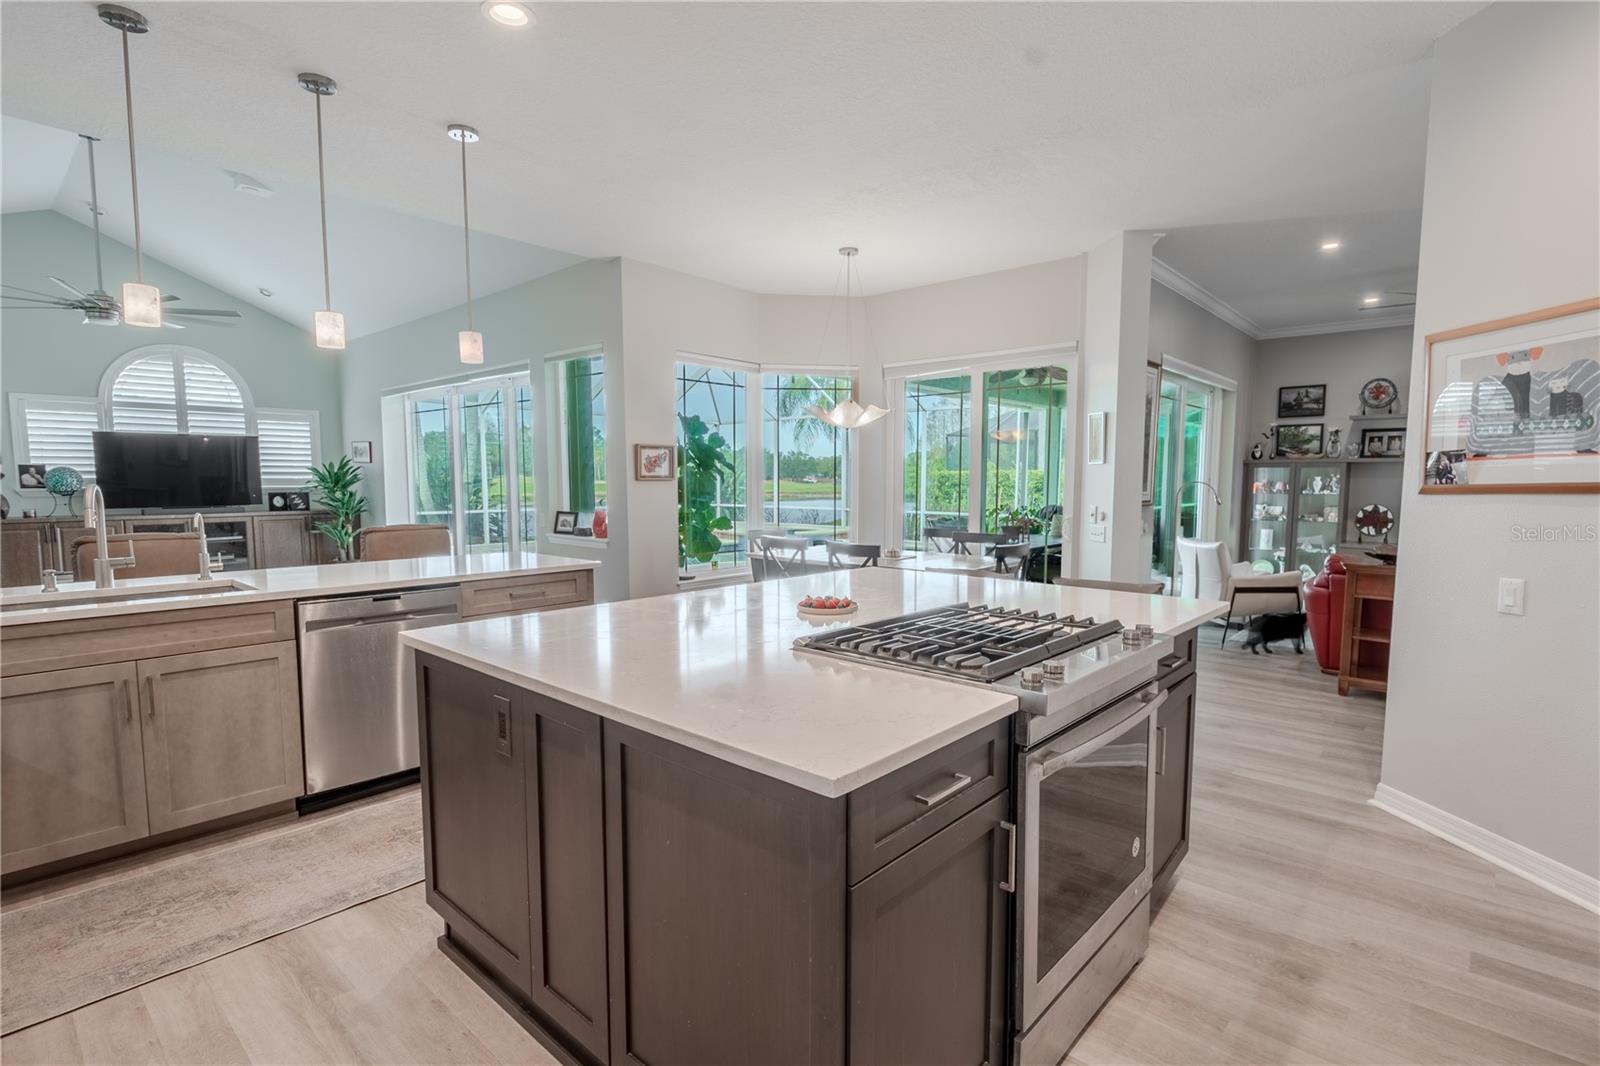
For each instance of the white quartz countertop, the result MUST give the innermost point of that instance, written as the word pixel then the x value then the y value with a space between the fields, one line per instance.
pixel 715 669
pixel 24 605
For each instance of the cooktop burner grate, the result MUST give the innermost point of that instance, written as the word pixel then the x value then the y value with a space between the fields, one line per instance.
pixel 978 643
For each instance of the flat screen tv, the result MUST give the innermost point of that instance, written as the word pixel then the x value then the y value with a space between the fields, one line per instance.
pixel 170 470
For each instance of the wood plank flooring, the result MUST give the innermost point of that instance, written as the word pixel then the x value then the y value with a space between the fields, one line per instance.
pixel 1305 927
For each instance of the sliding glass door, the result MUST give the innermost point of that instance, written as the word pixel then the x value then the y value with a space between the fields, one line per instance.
pixel 465 470
pixel 1024 445
pixel 430 467
pixel 938 426
pixel 1186 418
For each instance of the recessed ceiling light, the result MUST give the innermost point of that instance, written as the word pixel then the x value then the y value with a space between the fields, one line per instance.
pixel 1369 300
pixel 507 14
pixel 1331 246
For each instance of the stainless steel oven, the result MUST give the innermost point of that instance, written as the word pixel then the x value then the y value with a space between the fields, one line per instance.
pixel 1086 817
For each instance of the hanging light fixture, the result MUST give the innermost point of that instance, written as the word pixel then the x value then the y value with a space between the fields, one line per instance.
pixel 470 340
pixel 847 414
pixel 141 303
pixel 327 325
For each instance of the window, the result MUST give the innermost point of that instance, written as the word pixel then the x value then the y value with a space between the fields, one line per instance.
pixel 713 427
pixel 290 445
pixel 55 431
pixel 431 465
pixel 938 424
pixel 173 389
pixel 580 453
pixel 805 461
pixel 1024 443
pixel 1185 427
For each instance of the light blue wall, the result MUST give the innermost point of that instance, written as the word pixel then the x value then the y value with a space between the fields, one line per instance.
pixel 53 352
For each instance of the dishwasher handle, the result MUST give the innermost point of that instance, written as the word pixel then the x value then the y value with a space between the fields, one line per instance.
pixel 399 606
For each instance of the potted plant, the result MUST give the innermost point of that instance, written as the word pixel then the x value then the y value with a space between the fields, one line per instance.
pixel 701 463
pixel 335 485
pixel 1021 517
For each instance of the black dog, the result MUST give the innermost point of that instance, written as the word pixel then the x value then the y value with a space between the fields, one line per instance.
pixel 1266 628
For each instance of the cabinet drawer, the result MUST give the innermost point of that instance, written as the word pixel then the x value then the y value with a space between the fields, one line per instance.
pixel 895 813
pixel 77 642
pixel 507 595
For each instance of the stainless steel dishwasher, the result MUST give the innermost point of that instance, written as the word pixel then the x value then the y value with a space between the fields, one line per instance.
pixel 358 721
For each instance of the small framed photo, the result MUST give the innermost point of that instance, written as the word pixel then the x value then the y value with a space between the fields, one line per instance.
pixel 1303 401
pixel 1300 440
pixel 30 475
pixel 566 522
pixel 297 501
pixel 1383 443
pixel 655 462
pixel 361 451
pixel 1095 448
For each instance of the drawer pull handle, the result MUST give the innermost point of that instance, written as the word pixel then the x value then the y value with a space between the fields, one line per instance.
pixel 961 782
pixel 1010 883
pixel 1161 750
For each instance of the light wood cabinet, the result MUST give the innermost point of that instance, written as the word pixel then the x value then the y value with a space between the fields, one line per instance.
pixel 518 595
pixel 221 733
pixel 73 774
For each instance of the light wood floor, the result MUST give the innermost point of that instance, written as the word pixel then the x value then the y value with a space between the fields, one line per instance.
pixel 1305 927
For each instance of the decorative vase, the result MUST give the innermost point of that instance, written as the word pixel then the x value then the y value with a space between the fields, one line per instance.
pixel 1333 444
pixel 1255 452
pixel 63 483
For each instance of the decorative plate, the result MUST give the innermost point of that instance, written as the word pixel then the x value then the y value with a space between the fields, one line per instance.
pixel 1374 520
pixel 1379 392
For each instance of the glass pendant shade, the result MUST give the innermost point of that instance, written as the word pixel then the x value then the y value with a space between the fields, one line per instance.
pixel 141 304
pixel 329 329
pixel 847 414
pixel 471 347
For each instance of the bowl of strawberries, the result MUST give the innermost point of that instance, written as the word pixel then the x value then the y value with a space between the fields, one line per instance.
pixel 827 606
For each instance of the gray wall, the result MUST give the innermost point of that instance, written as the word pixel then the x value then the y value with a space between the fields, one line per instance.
pixel 1341 361
pixel 573 308
pixel 53 352
pixel 1492 718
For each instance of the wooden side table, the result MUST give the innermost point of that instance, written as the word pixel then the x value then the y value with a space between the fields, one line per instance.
pixel 1368 617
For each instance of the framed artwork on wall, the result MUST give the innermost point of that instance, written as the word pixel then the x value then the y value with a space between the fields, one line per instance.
pixel 361 451
pixel 1303 401
pixel 1383 443
pixel 1512 404
pixel 1152 396
pixel 655 462
pixel 1297 440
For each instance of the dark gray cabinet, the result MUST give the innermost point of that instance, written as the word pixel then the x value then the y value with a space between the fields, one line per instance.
pixel 928 949
pixel 1174 769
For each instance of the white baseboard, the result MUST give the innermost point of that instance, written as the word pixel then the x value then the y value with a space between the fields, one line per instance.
pixel 1526 863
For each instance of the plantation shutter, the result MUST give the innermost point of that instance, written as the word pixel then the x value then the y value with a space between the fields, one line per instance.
pixel 289 447
pixel 59 431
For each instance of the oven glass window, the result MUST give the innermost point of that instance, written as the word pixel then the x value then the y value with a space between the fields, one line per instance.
pixel 1091 839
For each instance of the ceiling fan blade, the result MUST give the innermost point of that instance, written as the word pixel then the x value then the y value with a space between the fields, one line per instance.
pixel 43 307
pixel 166 296
pixel 30 292
pixel 167 323
pixel 42 301
pixel 1389 307
pixel 79 293
pixel 202 312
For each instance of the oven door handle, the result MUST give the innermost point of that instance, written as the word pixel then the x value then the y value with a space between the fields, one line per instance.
pixel 1143 704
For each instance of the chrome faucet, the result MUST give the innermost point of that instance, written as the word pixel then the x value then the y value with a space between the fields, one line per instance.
pixel 207 564
pixel 94 517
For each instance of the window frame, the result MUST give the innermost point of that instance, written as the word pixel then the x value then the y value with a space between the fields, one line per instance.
pixel 750 372
pixel 846 460
pixel 108 382
pixel 557 457
pixel 311 417
pixel 21 403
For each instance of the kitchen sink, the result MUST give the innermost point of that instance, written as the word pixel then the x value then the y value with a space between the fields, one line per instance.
pixel 121 594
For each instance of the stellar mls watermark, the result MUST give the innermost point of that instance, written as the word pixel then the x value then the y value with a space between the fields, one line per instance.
pixel 1569 533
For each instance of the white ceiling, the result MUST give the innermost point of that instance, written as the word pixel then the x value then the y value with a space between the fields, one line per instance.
pixel 1276 281
pixel 388 267
pixel 745 142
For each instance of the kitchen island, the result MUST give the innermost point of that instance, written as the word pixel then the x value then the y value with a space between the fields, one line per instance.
pixel 167 706
pixel 659 832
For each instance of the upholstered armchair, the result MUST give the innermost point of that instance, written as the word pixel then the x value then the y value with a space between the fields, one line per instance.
pixel 1207 572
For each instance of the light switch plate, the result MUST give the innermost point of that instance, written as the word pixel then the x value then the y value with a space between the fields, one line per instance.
pixel 1097 533
pixel 1513 596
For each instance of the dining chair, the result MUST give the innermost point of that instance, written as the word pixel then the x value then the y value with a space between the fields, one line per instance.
pixel 402 541
pixel 781 556
pixel 1207 572
pixel 1011 560
pixel 1149 588
pixel 941 538
pixel 843 555
pixel 962 541
pixel 154 554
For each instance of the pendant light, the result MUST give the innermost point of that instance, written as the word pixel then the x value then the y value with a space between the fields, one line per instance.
pixel 470 340
pixel 847 414
pixel 141 303
pixel 327 325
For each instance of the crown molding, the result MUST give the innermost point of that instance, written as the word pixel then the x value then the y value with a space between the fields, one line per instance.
pixel 1196 294
pixel 1350 326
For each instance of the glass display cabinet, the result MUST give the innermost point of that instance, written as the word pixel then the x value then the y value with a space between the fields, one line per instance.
pixel 1318 514
pixel 1294 514
pixel 1268 516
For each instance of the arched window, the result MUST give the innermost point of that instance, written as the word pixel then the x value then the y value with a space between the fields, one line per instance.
pixel 173 388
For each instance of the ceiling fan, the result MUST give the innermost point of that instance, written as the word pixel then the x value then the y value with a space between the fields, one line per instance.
pixel 100 308
pixel 1036 376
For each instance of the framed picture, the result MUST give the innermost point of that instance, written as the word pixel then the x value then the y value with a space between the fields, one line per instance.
pixel 1303 401
pixel 566 522
pixel 30 475
pixel 297 501
pixel 1517 399
pixel 1152 395
pixel 1095 449
pixel 361 451
pixel 655 462
pixel 1382 443
pixel 1297 440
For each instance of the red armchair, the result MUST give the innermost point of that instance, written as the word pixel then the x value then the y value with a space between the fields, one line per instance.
pixel 1325 613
